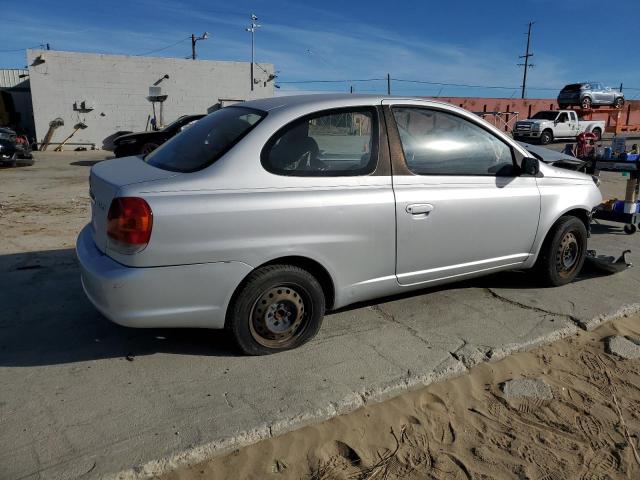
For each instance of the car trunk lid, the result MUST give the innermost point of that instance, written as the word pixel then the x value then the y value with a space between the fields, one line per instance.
pixel 106 180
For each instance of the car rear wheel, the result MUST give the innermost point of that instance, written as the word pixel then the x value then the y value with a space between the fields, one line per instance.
pixel 546 137
pixel 278 307
pixel 148 148
pixel 563 252
pixel 619 103
pixel 586 103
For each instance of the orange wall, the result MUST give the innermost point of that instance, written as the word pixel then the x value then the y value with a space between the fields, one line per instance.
pixel 525 108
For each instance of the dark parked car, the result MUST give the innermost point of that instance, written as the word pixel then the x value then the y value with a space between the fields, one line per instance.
pixel 146 142
pixel 14 149
pixel 588 94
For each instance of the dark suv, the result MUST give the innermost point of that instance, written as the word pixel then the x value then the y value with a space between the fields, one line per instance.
pixel 589 94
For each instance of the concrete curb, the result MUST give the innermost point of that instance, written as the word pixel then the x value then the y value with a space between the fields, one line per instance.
pixel 448 369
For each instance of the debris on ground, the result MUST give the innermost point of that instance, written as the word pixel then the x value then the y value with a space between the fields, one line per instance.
pixel 624 347
pixel 532 388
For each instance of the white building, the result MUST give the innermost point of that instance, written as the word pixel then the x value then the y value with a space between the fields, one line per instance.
pixel 109 93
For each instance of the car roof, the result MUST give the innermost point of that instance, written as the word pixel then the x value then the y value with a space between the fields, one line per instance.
pixel 321 99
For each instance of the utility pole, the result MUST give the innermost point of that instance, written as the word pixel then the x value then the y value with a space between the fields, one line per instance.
pixel 194 39
pixel 526 63
pixel 388 84
pixel 252 30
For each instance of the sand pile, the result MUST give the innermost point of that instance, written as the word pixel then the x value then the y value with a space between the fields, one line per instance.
pixel 577 415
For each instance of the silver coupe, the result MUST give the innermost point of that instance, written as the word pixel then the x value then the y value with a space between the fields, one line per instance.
pixel 264 215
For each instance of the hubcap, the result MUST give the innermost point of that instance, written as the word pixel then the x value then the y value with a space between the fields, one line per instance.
pixel 277 317
pixel 568 254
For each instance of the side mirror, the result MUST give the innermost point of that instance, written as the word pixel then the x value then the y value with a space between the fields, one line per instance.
pixel 530 166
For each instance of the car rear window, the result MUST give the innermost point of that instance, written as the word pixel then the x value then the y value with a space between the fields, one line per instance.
pixel 574 87
pixel 206 141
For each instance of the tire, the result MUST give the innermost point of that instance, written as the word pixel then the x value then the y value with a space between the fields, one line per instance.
pixel 586 103
pixel 598 133
pixel 563 252
pixel 147 148
pixel 630 229
pixel 619 102
pixel 546 137
pixel 277 308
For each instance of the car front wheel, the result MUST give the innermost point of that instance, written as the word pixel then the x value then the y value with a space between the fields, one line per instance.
pixel 277 308
pixel 563 252
pixel 546 137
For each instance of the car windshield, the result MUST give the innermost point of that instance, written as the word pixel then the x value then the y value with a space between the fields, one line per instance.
pixel 206 141
pixel 545 115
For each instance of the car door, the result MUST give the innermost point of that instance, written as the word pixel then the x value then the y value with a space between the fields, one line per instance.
pixel 461 205
pixel 599 95
pixel 563 126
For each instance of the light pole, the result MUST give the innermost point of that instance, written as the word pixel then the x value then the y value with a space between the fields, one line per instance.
pixel 204 36
pixel 252 30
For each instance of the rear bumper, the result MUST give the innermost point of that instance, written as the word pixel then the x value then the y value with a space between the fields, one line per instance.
pixel 157 297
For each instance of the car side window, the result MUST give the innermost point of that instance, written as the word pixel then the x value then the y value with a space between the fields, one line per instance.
pixel 332 143
pixel 439 143
pixel 562 118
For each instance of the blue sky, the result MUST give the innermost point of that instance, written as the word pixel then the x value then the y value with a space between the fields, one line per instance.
pixel 467 42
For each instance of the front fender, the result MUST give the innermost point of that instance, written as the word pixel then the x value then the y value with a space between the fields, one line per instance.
pixel 559 197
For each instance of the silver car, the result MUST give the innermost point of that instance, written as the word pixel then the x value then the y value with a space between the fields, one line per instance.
pixel 589 94
pixel 264 215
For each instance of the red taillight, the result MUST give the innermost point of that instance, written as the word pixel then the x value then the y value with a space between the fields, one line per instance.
pixel 129 222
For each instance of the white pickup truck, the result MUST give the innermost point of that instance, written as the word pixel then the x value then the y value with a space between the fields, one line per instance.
pixel 548 125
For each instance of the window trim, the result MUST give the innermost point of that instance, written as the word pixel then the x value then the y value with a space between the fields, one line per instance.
pixel 376 136
pixel 398 158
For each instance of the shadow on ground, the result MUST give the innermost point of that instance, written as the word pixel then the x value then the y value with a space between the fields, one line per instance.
pixel 45 318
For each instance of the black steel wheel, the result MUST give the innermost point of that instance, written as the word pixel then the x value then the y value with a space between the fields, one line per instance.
pixel 563 252
pixel 278 307
pixel 598 133
pixel 630 228
pixel 546 137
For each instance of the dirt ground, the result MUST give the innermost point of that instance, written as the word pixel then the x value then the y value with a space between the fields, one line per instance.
pixel 464 428
pixel 50 212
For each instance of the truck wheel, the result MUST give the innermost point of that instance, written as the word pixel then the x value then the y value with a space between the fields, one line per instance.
pixel 563 252
pixel 619 103
pixel 546 137
pixel 278 307
pixel 598 133
pixel 586 103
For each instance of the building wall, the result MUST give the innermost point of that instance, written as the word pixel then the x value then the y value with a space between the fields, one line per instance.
pixel 116 87
pixel 527 107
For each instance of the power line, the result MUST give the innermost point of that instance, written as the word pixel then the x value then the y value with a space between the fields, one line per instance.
pixel 22 49
pixel 333 81
pixel 163 48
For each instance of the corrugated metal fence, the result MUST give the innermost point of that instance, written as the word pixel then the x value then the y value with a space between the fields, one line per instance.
pixel 11 77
